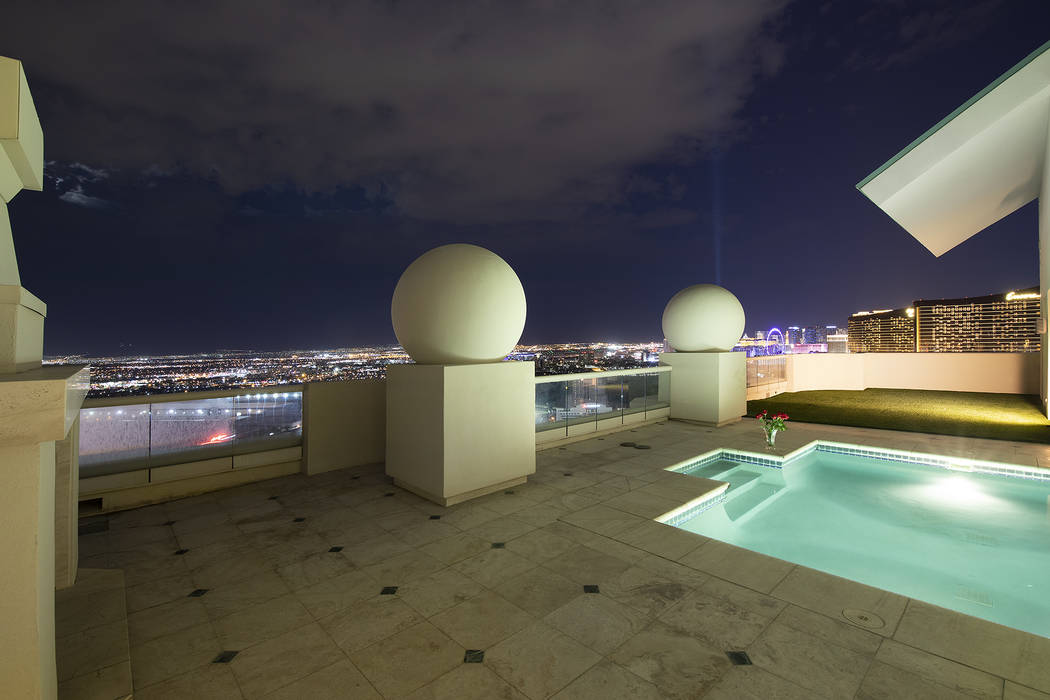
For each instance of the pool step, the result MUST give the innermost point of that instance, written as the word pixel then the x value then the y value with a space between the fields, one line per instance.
pixel 714 470
pixel 749 500
pixel 738 479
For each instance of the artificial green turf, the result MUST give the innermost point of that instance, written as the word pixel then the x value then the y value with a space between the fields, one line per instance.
pixel 971 414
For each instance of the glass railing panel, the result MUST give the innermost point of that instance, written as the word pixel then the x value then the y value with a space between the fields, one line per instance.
pixel 123 438
pixel 581 401
pixel 550 406
pixel 267 421
pixel 113 439
pixel 657 390
pixel 189 431
pixel 634 393
pixel 762 371
pixel 609 397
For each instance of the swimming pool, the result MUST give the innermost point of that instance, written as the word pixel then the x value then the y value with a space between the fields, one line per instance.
pixel 941 531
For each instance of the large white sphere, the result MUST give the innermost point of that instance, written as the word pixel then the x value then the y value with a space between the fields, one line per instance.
pixel 704 317
pixel 458 304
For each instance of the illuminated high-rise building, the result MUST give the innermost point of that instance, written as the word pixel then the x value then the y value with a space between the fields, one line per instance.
pixel 815 335
pixel 993 323
pixel 794 335
pixel 885 330
pixel 838 342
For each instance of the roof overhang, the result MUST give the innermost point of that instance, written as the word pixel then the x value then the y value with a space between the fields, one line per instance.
pixel 982 162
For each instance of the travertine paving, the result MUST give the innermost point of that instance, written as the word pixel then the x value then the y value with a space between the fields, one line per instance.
pixel 344 586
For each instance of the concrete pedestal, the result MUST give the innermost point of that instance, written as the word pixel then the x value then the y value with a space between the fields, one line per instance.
pixel 709 388
pixel 37 408
pixel 456 432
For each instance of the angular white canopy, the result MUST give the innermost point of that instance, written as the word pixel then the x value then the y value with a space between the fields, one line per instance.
pixel 982 162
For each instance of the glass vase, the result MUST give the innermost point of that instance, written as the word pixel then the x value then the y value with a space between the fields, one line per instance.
pixel 771 439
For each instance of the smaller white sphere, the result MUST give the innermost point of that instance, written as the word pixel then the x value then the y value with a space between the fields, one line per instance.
pixel 458 304
pixel 703 318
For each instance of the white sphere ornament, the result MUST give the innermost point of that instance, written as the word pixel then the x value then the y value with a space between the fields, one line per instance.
pixel 458 304
pixel 703 318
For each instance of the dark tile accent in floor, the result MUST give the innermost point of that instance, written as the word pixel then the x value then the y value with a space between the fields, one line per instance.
pixel 337 548
pixel 93 524
pixel 435 517
pixel 590 588
pixel 642 447
pixel 474 656
pixel 499 545
pixel 628 444
pixel 388 590
pixel 567 474
pixel 224 657
pixel 299 520
pixel 739 658
pixel 197 592
pixel 181 551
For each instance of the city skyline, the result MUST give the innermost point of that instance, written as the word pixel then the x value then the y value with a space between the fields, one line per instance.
pixel 207 216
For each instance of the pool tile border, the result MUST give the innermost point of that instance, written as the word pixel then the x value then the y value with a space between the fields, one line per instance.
pixel 964 464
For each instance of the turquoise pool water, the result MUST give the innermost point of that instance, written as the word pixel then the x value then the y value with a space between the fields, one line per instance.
pixel 976 543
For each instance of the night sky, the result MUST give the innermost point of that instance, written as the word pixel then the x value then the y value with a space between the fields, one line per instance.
pixel 255 175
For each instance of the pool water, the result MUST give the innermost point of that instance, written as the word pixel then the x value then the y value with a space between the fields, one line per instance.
pixel 976 543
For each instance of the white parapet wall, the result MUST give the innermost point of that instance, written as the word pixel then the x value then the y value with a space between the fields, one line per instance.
pixel 1003 373
pixel 344 424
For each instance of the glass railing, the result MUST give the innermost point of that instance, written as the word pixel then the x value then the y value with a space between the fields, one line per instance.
pixel 599 399
pixel 126 437
pixel 762 371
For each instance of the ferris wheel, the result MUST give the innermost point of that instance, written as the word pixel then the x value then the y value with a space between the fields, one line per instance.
pixel 774 341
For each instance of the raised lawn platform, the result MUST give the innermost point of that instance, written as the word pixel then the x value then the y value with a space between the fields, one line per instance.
pixel 979 415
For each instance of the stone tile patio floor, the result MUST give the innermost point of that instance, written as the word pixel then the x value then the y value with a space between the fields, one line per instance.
pixel 344 586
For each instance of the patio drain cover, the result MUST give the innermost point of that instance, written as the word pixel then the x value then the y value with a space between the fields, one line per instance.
pixel 224 657
pixel 388 590
pixel 337 548
pixel 627 444
pixel 739 658
pixel 180 552
pixel 499 545
pixel 197 592
pixel 864 618
pixel 435 517
pixel 642 447
pixel 474 656
pixel 590 588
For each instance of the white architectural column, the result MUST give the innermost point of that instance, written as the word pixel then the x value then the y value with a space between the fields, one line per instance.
pixel 1044 273
pixel 38 406
pixel 709 388
pixel 67 493
pixel 456 432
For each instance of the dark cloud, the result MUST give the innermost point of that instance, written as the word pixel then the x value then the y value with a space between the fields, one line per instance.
pixel 461 111
pixel 904 31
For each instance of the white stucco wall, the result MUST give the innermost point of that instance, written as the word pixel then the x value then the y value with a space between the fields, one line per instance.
pixel 1006 373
